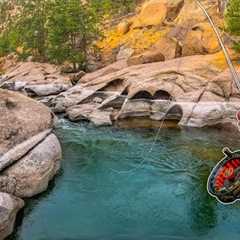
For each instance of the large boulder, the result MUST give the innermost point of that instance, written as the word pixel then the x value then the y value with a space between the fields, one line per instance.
pixel 168 47
pixel 201 39
pixel 9 207
pixel 155 12
pixel 20 119
pixel 31 175
pixel 29 153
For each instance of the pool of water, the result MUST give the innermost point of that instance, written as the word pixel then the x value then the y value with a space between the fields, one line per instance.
pixel 117 185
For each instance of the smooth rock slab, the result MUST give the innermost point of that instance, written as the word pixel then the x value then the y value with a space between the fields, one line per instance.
pixel 41 90
pixel 91 113
pixel 31 175
pixel 9 207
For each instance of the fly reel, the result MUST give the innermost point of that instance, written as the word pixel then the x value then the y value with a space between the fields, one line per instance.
pixel 224 180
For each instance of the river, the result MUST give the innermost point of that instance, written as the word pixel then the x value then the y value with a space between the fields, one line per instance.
pixel 112 187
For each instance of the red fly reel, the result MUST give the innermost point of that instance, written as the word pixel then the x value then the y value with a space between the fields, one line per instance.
pixel 224 180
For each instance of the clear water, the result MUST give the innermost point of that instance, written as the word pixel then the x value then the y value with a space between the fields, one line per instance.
pixel 112 188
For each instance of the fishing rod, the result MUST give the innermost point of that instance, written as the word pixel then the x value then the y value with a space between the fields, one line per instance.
pixel 233 70
pixel 224 180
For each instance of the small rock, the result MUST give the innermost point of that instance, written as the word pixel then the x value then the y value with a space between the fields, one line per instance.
pixel 124 53
pixel 97 100
pixel 146 57
pixel 123 27
pixel 75 77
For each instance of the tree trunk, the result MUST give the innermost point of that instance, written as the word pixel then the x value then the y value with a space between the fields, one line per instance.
pixel 222 4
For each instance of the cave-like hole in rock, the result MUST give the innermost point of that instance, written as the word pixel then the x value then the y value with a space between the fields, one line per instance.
pixel 125 92
pixel 142 95
pixel 162 95
pixel 113 86
pixel 175 113
pixel 102 94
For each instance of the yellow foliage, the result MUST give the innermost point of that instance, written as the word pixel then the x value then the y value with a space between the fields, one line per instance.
pixel 137 39
pixel 220 61
pixel 209 38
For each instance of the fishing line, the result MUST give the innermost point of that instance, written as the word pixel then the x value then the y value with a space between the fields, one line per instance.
pixel 119 93
pixel 141 164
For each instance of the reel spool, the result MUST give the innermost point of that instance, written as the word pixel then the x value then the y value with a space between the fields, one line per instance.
pixel 224 180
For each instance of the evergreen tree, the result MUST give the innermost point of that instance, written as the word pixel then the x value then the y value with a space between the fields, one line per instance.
pixel 71 27
pixel 55 30
pixel 232 18
pixel 30 26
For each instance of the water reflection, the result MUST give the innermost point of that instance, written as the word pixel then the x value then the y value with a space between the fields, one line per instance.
pixel 202 210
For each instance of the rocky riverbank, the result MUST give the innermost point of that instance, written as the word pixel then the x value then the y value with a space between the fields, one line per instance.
pixel 175 56
pixel 193 90
pixel 29 154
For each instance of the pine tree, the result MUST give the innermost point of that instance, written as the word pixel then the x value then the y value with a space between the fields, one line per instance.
pixel 30 26
pixel 232 17
pixel 55 30
pixel 71 27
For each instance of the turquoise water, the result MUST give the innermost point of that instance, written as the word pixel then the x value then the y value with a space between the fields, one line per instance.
pixel 112 188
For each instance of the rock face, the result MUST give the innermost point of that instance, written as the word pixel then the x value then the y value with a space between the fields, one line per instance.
pixel 20 119
pixel 9 207
pixel 174 28
pixel 200 93
pixel 29 153
pixel 35 79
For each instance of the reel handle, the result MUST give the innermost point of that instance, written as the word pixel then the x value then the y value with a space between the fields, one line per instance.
pixel 227 152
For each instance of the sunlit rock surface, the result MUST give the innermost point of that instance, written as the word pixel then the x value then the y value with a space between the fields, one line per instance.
pixel 35 79
pixel 205 95
pixel 174 28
